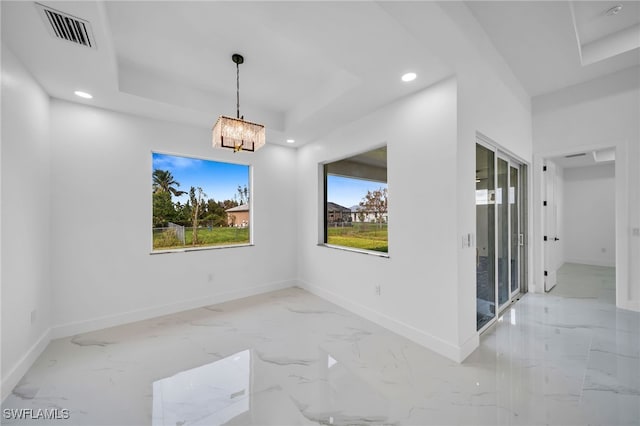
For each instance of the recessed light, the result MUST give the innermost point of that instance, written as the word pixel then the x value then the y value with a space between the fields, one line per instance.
pixel 83 94
pixel 410 76
pixel 614 10
pixel 290 141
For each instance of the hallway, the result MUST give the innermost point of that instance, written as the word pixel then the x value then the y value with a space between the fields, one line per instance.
pixel 571 351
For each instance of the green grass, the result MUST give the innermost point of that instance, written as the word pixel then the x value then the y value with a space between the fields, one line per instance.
pixel 367 236
pixel 206 238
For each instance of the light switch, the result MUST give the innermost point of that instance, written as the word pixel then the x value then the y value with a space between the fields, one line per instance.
pixel 467 240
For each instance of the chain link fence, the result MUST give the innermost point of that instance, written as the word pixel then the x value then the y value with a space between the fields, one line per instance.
pixel 172 235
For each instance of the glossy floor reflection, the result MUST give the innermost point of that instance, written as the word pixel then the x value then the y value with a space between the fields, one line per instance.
pixel 291 358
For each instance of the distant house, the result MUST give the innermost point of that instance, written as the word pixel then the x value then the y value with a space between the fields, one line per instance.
pixel 238 216
pixel 358 215
pixel 337 213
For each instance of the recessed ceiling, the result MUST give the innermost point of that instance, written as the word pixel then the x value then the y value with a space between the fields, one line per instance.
pixel 309 68
pixel 593 22
pixel 179 43
pixel 605 29
pixel 549 44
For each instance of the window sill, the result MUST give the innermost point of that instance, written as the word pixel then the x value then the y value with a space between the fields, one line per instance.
pixel 356 250
pixel 185 250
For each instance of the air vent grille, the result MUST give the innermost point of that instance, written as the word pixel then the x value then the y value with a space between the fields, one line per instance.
pixel 67 27
pixel 582 154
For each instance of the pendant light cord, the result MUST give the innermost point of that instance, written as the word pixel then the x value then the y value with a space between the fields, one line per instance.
pixel 237 90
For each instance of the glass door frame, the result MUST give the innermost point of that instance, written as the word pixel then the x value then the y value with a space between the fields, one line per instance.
pixel 499 156
pixel 521 254
pixel 520 235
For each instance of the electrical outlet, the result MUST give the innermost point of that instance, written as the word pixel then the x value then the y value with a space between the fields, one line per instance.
pixel 210 277
pixel 636 232
pixel 33 317
pixel 378 290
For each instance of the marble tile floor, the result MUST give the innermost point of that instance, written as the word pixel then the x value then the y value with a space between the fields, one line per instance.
pixel 586 282
pixel 291 358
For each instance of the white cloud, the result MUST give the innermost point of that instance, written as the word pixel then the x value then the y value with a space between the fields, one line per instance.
pixel 173 162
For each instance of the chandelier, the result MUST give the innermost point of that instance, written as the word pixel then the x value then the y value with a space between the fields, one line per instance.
pixel 236 133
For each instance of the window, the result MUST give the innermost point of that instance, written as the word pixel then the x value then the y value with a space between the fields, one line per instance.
pixel 355 203
pixel 199 203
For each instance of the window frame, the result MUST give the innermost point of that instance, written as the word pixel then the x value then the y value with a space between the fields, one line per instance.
pixel 250 171
pixel 323 232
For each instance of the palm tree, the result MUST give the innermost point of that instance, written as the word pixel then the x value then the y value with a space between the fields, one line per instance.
pixel 163 182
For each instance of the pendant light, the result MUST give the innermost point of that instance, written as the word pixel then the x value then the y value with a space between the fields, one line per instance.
pixel 236 133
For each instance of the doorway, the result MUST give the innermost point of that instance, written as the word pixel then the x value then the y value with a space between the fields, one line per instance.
pixel 553 252
pixel 500 225
pixel 579 223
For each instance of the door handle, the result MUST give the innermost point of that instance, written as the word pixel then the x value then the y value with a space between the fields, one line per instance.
pixel 556 239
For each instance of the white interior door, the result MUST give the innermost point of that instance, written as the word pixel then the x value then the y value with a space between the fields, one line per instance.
pixel 551 228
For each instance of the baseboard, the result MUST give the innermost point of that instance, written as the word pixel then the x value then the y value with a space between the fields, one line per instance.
pixel 446 349
pixel 470 345
pixel 591 262
pixel 71 329
pixel 22 366
pixel 630 305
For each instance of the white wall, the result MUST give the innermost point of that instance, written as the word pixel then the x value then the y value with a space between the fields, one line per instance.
pixel 489 100
pixel 102 271
pixel 488 106
pixel 589 215
pixel 25 224
pixel 599 114
pixel 418 280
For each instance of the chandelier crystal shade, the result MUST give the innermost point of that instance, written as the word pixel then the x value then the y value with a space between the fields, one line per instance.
pixel 236 133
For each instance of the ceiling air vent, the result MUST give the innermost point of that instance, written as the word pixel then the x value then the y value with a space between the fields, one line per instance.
pixel 67 27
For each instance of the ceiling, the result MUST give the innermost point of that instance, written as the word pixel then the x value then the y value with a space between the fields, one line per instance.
pixel 585 158
pixel 550 45
pixel 309 66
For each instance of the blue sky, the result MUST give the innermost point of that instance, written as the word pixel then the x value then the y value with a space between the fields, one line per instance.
pixel 218 180
pixel 348 191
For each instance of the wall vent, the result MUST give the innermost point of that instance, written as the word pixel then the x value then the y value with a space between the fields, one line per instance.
pixel 582 154
pixel 67 27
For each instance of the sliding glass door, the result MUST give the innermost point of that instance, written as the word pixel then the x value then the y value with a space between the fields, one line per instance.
pixel 485 236
pixel 516 238
pixel 498 230
pixel 503 231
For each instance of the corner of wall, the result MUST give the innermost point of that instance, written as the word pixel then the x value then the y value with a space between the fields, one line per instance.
pixel 13 377
pixel 26 285
pixel 444 348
